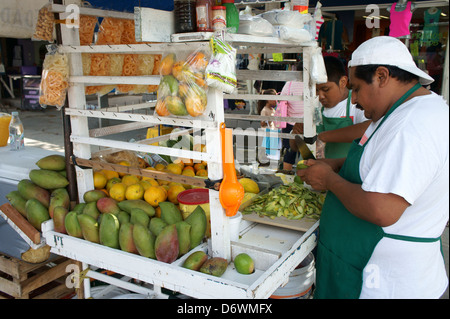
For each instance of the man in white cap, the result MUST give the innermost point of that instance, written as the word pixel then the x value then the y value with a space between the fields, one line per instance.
pixel 388 201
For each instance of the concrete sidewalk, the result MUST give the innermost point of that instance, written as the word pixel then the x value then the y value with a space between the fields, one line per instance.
pixel 44 129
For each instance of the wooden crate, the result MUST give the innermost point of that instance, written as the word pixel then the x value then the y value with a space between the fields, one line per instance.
pixel 22 280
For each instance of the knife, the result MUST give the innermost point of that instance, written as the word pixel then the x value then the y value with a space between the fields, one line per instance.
pixel 303 148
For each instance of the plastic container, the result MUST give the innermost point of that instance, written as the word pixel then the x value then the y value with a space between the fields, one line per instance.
pixel 219 18
pixel 203 9
pixel 185 16
pixel 232 16
pixel 16 134
pixel 190 199
pixel 300 281
pixel 300 5
pixel 5 118
pixel 234 223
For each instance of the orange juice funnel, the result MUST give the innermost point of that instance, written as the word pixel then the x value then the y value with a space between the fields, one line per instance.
pixel 231 191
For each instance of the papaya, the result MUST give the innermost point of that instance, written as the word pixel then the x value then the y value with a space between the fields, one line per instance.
pixel 59 216
pixel 91 210
pixel 170 213
pixel 167 63
pixel 156 225
pixel 184 240
pixel 48 179
pixel 144 241
pixel 175 105
pixel 129 204
pixel 126 241
pixel 215 266
pixel 93 195
pixel 36 213
pixel 109 231
pixel 72 225
pixel 58 197
pixel 89 228
pixel 18 202
pixel 107 205
pixel 28 190
pixel 53 162
pixel 195 260
pixel 166 244
pixel 197 220
pixel 138 216
pixel 123 217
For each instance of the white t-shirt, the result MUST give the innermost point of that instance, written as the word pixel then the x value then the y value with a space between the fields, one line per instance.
pixel 409 156
pixel 340 110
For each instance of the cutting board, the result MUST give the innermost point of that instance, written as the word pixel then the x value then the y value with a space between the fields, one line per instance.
pixel 303 224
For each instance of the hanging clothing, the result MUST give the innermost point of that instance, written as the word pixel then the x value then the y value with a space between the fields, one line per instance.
pixel 400 20
pixel 353 259
pixel 430 35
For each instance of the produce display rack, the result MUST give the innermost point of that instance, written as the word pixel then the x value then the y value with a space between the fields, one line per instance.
pixel 276 251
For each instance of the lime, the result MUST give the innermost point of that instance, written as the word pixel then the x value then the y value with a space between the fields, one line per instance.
pixel 244 264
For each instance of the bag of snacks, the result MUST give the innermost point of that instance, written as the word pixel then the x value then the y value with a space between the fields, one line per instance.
pixel 221 69
pixel 182 89
pixel 44 25
pixel 86 30
pixel 55 77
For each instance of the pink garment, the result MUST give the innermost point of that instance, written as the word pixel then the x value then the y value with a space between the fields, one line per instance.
pixel 400 21
pixel 294 108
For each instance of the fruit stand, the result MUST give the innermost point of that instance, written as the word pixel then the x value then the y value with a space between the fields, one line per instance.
pixel 275 249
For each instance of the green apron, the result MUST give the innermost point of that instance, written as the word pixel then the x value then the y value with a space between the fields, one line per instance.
pixel 336 150
pixel 347 242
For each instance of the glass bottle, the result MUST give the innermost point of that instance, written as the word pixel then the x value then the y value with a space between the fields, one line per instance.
pixel 16 137
pixel 232 16
pixel 185 17
pixel 204 15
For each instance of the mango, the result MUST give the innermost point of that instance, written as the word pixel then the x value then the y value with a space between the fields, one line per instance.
pixel 107 205
pixel 175 105
pixel 244 264
pixel 72 225
pixel 156 225
pixel 184 239
pixel 166 244
pixel 126 241
pixel 58 197
pixel 48 179
pixel 197 220
pixel 167 63
pixel 29 190
pixel 91 210
pixel 109 231
pixel 144 241
pixel 249 185
pixel 215 266
pixel 170 213
pixel 93 195
pixel 36 213
pixel 128 205
pixel 52 162
pixel 195 260
pixel 79 208
pixel 63 173
pixel 138 216
pixel 123 217
pixel 59 216
pixel 89 228
pixel 17 201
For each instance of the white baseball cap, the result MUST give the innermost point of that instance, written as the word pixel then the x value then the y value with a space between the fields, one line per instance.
pixel 387 50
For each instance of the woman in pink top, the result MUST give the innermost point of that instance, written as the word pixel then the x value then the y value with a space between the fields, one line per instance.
pixel 294 109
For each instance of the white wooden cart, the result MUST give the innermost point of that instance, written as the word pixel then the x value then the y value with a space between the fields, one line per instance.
pixel 276 250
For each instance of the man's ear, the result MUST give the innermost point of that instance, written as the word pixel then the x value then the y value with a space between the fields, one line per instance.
pixel 382 76
pixel 343 82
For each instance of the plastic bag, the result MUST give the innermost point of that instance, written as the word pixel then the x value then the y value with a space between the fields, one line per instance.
pixel 44 25
pixel 221 69
pixel 182 89
pixel 292 34
pixel 55 77
pixel 86 30
pixel 318 72
pixel 255 25
pixel 293 19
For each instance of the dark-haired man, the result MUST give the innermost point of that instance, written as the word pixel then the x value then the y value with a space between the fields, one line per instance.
pixel 388 201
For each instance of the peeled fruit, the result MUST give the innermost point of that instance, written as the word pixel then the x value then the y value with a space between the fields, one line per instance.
pixel 215 266
pixel 244 264
pixel 195 260
pixel 250 186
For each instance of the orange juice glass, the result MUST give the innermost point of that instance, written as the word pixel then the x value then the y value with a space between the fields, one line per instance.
pixel 5 118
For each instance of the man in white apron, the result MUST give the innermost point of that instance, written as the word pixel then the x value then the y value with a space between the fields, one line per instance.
pixel 388 201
